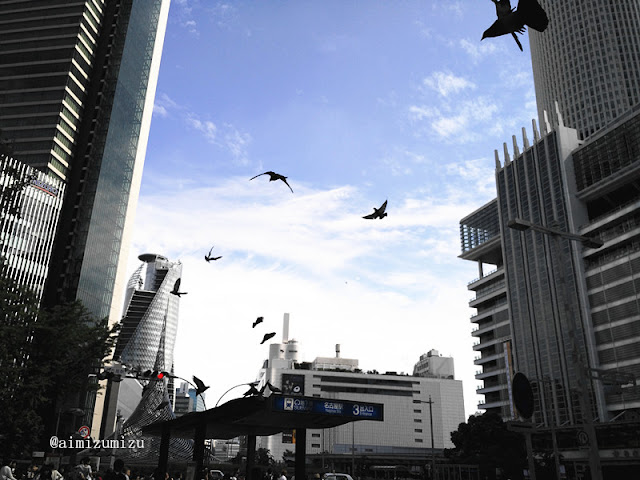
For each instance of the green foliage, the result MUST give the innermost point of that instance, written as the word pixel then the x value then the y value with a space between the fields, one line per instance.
pixel 485 441
pixel 264 457
pixel 44 355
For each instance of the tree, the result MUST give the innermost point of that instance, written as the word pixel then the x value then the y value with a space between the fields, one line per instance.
pixel 264 457
pixel 44 354
pixel 485 441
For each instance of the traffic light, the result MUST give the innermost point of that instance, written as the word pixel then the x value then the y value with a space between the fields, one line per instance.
pixel 106 375
pixel 154 375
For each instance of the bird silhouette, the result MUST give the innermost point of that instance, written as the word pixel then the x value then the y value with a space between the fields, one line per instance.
pixel 275 176
pixel 267 336
pixel 271 388
pixel 258 320
pixel 208 257
pixel 200 386
pixel 529 13
pixel 378 212
pixel 176 289
pixel 253 391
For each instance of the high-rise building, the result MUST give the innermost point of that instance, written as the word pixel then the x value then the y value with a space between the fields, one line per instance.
pixel 77 83
pixel 571 309
pixel 588 60
pixel 149 328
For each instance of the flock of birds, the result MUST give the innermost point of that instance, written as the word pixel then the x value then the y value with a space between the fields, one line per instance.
pixel 529 13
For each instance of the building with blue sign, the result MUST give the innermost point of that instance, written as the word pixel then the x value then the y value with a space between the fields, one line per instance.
pixel 405 429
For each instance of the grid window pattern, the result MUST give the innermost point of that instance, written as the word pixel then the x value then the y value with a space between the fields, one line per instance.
pixel 589 62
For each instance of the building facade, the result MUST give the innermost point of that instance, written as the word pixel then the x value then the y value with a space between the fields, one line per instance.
pixel 77 83
pixel 30 203
pixel 572 309
pixel 406 430
pixel 481 243
pixel 588 60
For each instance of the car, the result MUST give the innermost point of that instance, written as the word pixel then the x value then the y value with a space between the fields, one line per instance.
pixel 337 476
pixel 216 475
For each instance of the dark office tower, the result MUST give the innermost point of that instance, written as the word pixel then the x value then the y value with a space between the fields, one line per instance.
pixel 77 82
pixel 588 60
pixel 551 330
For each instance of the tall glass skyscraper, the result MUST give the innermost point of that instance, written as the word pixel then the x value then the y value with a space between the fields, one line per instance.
pixel 588 60
pixel 77 83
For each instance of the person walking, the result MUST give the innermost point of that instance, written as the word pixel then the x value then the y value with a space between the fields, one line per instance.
pixel 6 472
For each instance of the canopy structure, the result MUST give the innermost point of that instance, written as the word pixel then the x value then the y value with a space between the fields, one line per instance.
pixel 262 416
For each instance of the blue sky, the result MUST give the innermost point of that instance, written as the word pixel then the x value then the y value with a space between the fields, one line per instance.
pixel 356 102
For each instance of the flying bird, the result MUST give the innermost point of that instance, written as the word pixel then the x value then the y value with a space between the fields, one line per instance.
pixel 200 386
pixel 258 320
pixel 273 176
pixel 529 13
pixel 208 257
pixel 267 336
pixel 378 212
pixel 176 289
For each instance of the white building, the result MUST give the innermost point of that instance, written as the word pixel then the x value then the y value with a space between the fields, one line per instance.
pixel 406 426
pixel 432 364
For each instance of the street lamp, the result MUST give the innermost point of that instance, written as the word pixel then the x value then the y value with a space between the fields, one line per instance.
pixel 249 384
pixel 433 455
pixel 585 400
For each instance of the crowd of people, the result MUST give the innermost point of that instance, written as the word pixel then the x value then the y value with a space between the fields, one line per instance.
pixel 81 471
pixel 84 471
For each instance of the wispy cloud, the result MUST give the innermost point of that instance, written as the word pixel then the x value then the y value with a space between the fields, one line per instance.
pixel 225 135
pixel 446 83
pixel 477 51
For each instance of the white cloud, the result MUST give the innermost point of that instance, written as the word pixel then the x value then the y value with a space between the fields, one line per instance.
pixel 476 50
pixel 208 128
pixel 446 83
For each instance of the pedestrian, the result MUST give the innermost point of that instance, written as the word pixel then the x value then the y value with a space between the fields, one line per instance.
pixel 7 470
pixel 283 476
pixel 84 468
pixel 118 467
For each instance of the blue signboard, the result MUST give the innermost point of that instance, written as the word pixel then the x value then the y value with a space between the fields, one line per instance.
pixel 328 406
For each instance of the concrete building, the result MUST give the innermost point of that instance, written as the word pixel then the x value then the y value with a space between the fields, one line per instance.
pixel 481 243
pixel 570 310
pixel 434 365
pixel 77 83
pixel 406 427
pixel 588 60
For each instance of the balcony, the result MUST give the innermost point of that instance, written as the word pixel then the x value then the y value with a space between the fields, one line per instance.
pixel 495 388
pixel 498 289
pixel 498 404
pixel 482 345
pixel 480 375
pixel 489 358
pixel 487 313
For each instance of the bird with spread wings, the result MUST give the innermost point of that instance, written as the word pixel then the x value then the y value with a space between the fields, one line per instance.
pixel 378 212
pixel 529 13
pixel 273 176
